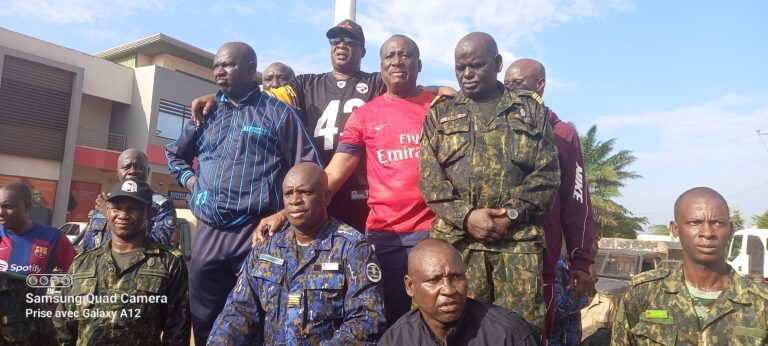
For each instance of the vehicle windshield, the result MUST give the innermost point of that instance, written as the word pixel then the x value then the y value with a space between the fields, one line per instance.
pixel 620 266
pixel 735 248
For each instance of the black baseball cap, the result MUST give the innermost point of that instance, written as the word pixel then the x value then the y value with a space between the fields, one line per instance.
pixel 347 27
pixel 137 190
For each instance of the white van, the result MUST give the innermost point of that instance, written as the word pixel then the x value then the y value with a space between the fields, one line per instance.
pixel 747 252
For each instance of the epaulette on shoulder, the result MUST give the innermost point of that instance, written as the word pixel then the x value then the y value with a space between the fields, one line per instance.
pixel 754 288
pixel 537 97
pixel 349 233
pixel 653 275
pixel 176 253
pixel 524 94
pixel 439 98
pixel 159 199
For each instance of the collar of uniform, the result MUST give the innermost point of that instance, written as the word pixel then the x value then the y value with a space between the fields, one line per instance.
pixel 323 241
pixel 507 98
pixel 224 99
pixel 737 290
pixel 674 283
pixel 150 247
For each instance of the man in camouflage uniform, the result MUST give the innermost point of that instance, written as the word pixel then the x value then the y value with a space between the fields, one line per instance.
pixel 132 164
pixel 489 171
pixel 15 327
pixel 703 301
pixel 140 287
pixel 315 282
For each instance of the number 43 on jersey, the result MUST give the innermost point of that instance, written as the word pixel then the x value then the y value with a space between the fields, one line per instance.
pixel 326 125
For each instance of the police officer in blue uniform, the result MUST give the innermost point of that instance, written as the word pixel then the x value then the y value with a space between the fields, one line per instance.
pixel 315 282
pixel 132 164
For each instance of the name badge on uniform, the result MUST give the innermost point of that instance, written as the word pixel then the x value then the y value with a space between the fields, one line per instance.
pixel 271 259
pixel 656 314
pixel 294 300
pixel 452 117
pixel 331 266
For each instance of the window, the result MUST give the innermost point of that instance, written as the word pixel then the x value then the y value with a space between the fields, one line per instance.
pixel 735 247
pixel 171 119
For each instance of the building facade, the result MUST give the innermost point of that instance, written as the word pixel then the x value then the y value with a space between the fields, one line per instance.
pixel 66 115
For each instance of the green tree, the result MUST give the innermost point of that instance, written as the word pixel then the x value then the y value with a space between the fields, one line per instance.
pixel 659 229
pixel 607 173
pixel 737 219
pixel 761 221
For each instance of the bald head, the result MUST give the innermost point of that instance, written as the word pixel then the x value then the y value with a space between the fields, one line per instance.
pixel 437 282
pixel 526 74
pixel 431 249
pixel 477 64
pixel 240 49
pixel 479 41
pixel 276 75
pixel 309 173
pixel 234 69
pixel 306 197
pixel 132 164
pixel 698 192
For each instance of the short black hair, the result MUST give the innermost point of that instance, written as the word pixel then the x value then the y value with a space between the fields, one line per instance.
pixel 19 191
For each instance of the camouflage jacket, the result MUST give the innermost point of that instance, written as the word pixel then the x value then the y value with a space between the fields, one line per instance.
pixel 332 296
pixel 161 226
pixel 658 310
pixel 149 298
pixel 468 164
pixel 16 327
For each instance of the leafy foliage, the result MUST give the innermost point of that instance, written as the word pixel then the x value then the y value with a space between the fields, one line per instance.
pixel 659 229
pixel 737 219
pixel 761 221
pixel 607 173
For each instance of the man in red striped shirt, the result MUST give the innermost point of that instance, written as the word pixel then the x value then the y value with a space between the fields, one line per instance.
pixel 27 247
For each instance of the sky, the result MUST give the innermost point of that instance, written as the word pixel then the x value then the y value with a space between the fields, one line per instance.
pixel 682 84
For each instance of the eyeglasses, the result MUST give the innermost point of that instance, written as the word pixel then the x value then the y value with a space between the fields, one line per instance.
pixel 348 41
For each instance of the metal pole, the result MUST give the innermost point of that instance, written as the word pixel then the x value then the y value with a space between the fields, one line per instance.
pixel 345 9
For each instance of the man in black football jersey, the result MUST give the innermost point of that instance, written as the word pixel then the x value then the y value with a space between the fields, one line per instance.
pixel 325 102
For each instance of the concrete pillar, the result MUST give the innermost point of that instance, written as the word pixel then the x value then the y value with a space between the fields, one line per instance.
pixel 345 9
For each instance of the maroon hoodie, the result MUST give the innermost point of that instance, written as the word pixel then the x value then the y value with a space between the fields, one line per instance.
pixel 571 214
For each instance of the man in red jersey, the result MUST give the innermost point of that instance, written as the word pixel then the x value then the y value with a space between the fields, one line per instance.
pixel 571 213
pixel 385 132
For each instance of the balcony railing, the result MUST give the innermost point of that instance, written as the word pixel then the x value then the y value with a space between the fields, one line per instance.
pixel 101 140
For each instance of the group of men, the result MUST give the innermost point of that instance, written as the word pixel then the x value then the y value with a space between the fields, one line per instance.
pixel 443 201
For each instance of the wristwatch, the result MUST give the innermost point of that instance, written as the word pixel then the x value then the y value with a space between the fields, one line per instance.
pixel 512 213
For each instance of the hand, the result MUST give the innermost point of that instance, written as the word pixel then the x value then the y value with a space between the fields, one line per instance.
pixel 271 224
pixel 480 225
pixel 191 182
pixel 201 107
pixel 582 281
pixel 101 203
pixel 502 223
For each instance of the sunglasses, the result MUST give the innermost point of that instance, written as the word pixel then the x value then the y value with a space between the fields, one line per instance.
pixel 348 41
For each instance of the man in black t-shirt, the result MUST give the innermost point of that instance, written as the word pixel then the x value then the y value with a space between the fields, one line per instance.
pixel 325 102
